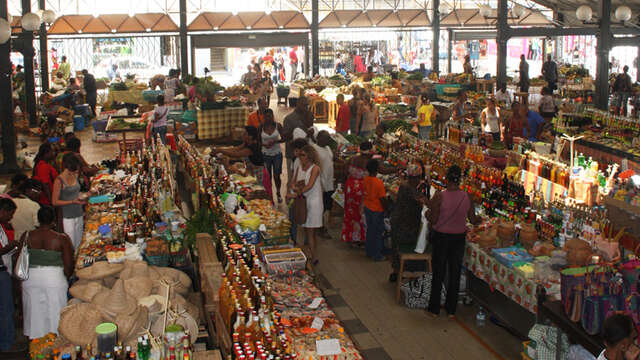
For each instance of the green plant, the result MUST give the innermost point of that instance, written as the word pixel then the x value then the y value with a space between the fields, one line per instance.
pixel 202 221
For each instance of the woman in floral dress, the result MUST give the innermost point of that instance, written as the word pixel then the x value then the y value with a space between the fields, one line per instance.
pixel 353 227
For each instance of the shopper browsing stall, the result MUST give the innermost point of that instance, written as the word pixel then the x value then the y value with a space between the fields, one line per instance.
pixel 44 172
pixel 368 116
pixel 524 74
pixel 426 113
pixel 514 126
pixel 375 199
pixel 547 106
pixel 460 113
pixel 249 153
pixel 257 117
pixel 502 96
pixel 550 73
pixel 294 120
pixel 344 115
pixel 44 294
pixel 308 183
pixel 449 211
pixel 490 119
pixel 325 158
pixel 159 122
pixel 25 195
pixel 271 150
pixel 353 227
pixel 535 123
pixel 66 195
pixel 405 218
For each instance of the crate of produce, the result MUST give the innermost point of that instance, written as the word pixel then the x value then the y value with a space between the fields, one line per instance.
pixel 157 260
pixel 151 96
pixel 271 240
pixel 282 261
pixel 100 125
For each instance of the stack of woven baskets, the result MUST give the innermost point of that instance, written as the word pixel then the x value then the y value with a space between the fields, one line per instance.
pixel 132 295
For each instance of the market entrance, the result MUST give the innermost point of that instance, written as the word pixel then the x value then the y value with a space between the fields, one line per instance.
pixel 226 56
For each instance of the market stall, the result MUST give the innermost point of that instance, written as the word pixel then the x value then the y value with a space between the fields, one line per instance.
pixel 217 123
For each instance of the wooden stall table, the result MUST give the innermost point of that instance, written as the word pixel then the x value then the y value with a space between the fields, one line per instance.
pixel 485 86
pixel 217 123
pixel 521 97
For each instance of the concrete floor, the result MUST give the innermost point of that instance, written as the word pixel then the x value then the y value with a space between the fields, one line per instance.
pixel 358 290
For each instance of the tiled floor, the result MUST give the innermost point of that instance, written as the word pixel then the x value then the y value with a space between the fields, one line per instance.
pixel 358 291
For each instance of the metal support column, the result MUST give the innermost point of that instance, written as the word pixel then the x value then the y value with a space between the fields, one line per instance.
pixel 315 43
pixel 638 66
pixel 501 39
pixel 184 52
pixel 449 50
pixel 9 164
pixel 605 40
pixel 44 53
pixel 435 28
pixel 26 37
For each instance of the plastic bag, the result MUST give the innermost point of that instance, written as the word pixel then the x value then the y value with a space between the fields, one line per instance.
pixel 421 245
pixel 21 270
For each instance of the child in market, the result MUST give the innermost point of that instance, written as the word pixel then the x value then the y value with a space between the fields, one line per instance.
pixel 375 200
pixel 344 114
pixel 618 333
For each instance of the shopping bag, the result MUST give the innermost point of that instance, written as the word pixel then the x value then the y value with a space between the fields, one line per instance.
pixel 21 269
pixel 421 245
pixel 266 182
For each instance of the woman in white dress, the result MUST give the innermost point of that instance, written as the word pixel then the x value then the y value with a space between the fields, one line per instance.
pixel 44 294
pixel 307 183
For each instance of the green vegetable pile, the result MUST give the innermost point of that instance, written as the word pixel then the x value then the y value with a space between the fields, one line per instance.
pixel 122 124
pixel 381 80
pixel 208 88
pixel 118 86
pixel 396 108
pixel 338 80
pixel 354 139
pixel 398 124
pixel 415 76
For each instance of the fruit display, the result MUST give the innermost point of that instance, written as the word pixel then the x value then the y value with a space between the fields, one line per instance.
pixel 134 123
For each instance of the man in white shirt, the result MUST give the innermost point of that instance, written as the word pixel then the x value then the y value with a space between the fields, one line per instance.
pixel 502 95
pixel 325 156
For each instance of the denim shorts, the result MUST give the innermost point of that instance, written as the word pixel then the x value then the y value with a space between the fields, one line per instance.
pixel 273 163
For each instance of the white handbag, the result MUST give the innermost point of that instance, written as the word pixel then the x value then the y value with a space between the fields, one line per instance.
pixel 21 269
pixel 421 245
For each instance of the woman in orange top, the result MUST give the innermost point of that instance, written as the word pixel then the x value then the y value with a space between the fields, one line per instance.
pixel 374 201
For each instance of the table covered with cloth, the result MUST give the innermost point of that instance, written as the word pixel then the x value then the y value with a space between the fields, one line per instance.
pixel 508 281
pixel 218 123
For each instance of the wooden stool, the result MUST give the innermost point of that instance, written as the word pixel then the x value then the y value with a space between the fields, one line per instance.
pixel 484 86
pixel 522 96
pixel 402 275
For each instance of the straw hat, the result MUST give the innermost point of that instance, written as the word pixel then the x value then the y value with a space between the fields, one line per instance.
pixel 78 323
pixel 138 286
pixel 109 281
pixel 86 292
pixel 175 276
pixel 133 268
pixel 132 324
pixel 154 303
pixel 99 270
pixel 178 303
pixel 115 301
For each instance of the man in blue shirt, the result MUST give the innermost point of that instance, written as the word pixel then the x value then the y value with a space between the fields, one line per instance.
pixel 535 122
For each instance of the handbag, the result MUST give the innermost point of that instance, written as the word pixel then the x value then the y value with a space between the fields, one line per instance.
pixel 596 309
pixel 21 269
pixel 299 210
pixel 421 245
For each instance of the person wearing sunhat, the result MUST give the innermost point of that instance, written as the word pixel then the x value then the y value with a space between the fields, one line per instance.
pixel 405 218
pixel 44 294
